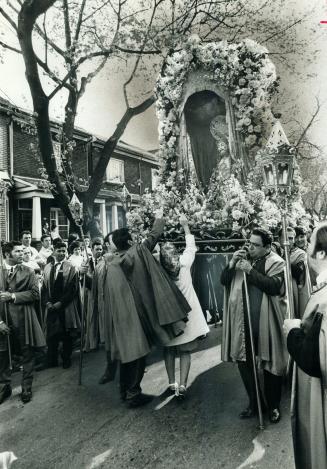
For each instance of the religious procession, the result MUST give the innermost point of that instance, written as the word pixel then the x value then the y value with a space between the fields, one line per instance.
pixel 163 277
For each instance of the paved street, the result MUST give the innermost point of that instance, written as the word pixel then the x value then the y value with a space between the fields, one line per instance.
pixel 68 426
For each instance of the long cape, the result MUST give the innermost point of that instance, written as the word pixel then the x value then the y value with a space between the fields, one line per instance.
pixel 26 281
pixel 301 293
pixel 72 319
pixel 272 352
pixel 309 397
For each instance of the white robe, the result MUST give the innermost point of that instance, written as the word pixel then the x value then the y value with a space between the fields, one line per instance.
pixel 196 325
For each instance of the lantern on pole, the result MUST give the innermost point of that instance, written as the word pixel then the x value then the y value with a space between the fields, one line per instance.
pixel 277 169
pixel 126 198
pixel 76 209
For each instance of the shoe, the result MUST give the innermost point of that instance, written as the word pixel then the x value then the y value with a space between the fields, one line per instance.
pixel 181 393
pixel 66 363
pixel 140 400
pixel 26 395
pixel 248 413
pixel 6 392
pixel 274 415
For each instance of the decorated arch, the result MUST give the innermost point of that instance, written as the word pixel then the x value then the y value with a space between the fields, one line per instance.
pixel 215 124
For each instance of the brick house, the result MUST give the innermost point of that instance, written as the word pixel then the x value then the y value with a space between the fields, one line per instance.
pixel 25 204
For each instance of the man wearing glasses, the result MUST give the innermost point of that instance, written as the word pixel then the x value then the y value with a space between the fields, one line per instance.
pixel 264 271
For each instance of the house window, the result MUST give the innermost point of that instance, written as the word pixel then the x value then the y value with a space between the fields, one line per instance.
pixel 59 218
pixel 115 170
pixel 24 215
pixel 109 219
pixel 155 178
pixel 121 217
pixel 57 154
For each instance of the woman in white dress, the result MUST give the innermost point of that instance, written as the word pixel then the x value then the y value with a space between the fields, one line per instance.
pixel 179 269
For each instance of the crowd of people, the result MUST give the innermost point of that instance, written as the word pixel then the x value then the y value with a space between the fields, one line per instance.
pixel 135 298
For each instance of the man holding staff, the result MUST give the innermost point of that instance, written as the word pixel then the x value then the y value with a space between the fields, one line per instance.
pixel 19 292
pixel 263 296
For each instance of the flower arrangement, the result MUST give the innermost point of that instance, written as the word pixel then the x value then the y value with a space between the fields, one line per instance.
pixel 226 204
pixel 244 69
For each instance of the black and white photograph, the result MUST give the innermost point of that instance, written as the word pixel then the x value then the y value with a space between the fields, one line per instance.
pixel 163 234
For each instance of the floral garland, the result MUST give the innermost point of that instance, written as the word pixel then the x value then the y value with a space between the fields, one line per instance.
pixel 226 204
pixel 244 69
pixel 247 73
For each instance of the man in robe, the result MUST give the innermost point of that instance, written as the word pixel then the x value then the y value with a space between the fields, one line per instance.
pixel 143 307
pixel 301 284
pixel 60 298
pixel 19 293
pixel 88 268
pixel 307 345
pixel 265 277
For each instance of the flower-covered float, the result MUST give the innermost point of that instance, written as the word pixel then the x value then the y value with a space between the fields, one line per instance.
pixel 215 126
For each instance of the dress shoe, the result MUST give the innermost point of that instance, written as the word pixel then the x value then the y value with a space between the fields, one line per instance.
pixel 140 400
pixel 274 415
pixel 248 413
pixel 181 393
pixel 6 392
pixel 66 363
pixel 26 395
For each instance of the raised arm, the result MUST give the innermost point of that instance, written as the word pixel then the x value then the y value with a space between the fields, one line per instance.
pixel 156 231
pixel 188 255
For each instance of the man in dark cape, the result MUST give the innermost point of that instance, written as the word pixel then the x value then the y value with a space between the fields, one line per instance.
pixel 307 345
pixel 144 307
pixel 265 278
pixel 61 300
pixel 20 292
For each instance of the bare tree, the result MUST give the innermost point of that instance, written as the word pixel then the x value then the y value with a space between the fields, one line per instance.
pixel 66 43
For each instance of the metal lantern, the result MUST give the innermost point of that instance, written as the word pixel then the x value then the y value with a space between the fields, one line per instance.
pixel 76 209
pixel 278 171
pixel 278 167
pixel 126 198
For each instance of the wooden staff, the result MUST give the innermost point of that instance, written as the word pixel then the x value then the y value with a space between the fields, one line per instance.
pixel 2 284
pixel 255 374
pixel 83 310
pixel 288 276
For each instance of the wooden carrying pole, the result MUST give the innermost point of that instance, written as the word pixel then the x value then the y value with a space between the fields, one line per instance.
pixel 2 285
pixel 255 372
pixel 83 312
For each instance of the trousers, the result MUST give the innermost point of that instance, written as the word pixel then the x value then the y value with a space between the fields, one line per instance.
pixel 131 375
pixel 17 339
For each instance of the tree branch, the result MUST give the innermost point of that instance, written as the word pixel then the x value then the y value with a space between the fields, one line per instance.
pixel 111 143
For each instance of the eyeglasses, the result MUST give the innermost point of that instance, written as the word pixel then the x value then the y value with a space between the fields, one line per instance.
pixel 255 245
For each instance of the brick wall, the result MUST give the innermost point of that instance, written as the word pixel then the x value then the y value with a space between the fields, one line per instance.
pixel 4 151
pixel 79 160
pixel 25 163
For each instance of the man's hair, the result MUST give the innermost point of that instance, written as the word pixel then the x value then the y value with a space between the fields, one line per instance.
pixel 265 235
pixel 72 237
pixel 321 240
pixel 56 241
pixel 106 238
pixel 59 244
pixel 300 230
pixel 121 238
pixel 11 245
pixel 45 236
pixel 25 232
pixel 74 245
pixel 97 242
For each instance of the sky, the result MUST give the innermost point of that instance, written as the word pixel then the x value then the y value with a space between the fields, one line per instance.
pixel 103 104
